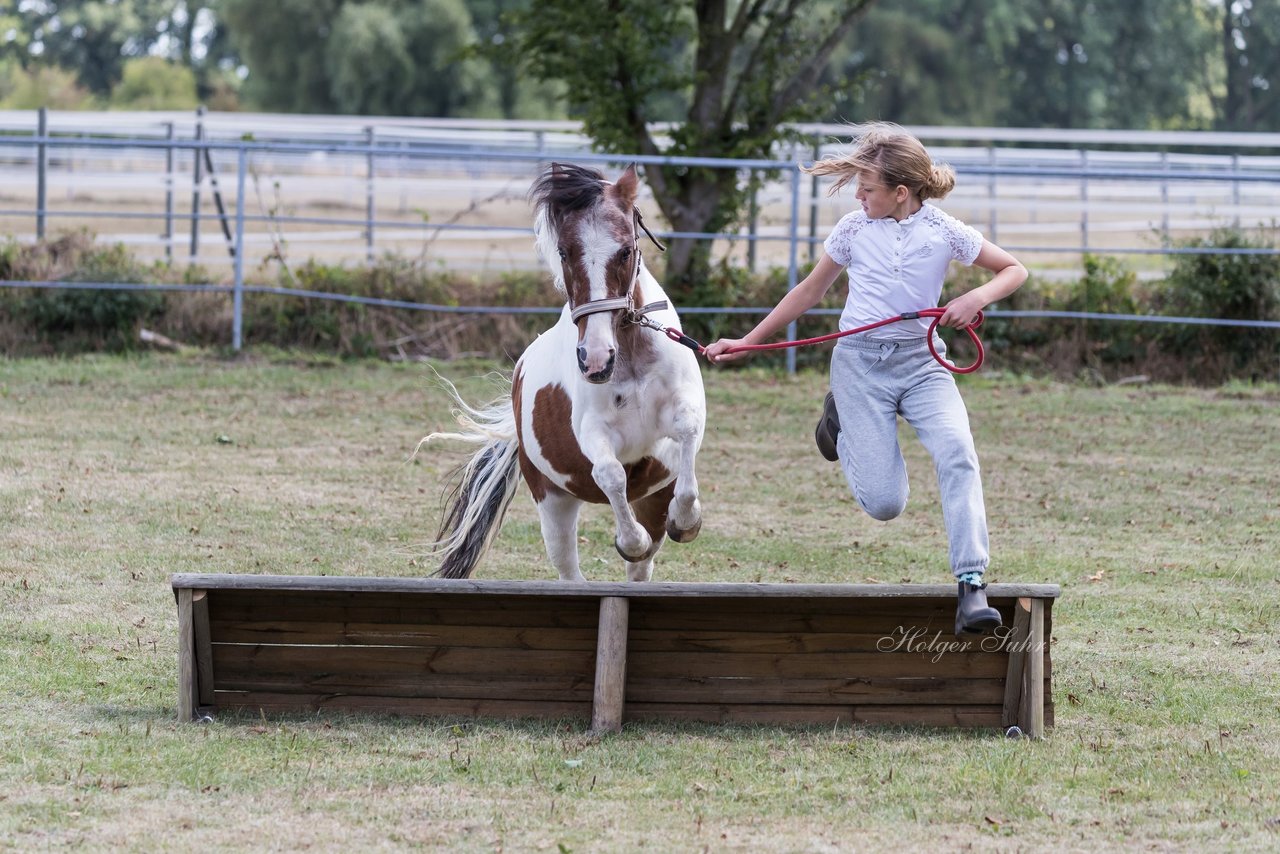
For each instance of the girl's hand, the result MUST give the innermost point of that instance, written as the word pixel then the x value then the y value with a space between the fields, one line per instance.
pixel 716 354
pixel 961 311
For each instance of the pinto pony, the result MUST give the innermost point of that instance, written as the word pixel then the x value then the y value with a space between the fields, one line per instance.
pixel 604 407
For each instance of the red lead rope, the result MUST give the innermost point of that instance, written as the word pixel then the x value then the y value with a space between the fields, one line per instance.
pixel 936 313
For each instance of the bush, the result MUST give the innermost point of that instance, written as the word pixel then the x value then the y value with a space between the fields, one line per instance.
pixel 92 319
pixel 1237 287
pixel 1107 287
pixel 43 321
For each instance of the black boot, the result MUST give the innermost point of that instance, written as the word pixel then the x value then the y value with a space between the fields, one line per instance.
pixel 973 615
pixel 828 429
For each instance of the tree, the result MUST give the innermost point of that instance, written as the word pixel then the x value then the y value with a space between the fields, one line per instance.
pixel 730 75
pixel 153 83
pixel 1249 39
pixel 96 38
pixel 282 44
pixel 47 86
pixel 386 57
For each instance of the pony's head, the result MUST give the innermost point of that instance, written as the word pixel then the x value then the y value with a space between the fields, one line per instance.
pixel 585 229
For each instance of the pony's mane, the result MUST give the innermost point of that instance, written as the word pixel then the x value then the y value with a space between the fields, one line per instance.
pixel 563 189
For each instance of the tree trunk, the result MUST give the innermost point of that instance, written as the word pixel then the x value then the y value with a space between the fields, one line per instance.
pixel 699 201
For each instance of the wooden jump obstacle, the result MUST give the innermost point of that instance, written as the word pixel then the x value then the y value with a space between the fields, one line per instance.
pixel 612 652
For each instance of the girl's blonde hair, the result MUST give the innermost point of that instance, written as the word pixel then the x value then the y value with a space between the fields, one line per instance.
pixel 887 150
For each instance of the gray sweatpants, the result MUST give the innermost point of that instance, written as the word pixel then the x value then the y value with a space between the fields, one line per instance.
pixel 874 381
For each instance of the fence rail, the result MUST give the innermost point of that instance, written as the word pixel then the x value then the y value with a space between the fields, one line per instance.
pixel 455 195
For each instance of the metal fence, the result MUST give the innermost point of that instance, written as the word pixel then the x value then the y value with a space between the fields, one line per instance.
pixel 453 193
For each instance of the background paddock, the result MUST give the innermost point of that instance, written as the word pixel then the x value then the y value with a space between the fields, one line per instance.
pixel 1152 506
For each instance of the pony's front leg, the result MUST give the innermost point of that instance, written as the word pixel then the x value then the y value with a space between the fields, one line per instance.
pixel 631 540
pixel 651 512
pixel 558 513
pixel 684 514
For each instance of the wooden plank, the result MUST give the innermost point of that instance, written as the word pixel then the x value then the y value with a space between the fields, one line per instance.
pixel 949 716
pixel 234 660
pixel 816 666
pixel 203 651
pixel 591 590
pixel 186 658
pixel 247 606
pixel 1032 715
pixel 405 634
pixel 611 666
pixel 412 706
pixel 822 618
pixel 891 639
pixel 943 716
pixel 568 687
pixel 1018 642
pixel 882 690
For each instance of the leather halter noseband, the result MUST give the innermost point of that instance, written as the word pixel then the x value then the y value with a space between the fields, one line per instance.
pixel 633 314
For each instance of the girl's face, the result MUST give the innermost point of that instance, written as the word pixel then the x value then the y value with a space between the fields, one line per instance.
pixel 879 200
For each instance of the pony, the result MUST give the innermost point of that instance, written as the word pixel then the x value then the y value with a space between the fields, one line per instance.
pixel 603 408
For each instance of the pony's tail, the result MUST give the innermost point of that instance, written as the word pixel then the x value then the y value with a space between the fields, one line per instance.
pixel 482 487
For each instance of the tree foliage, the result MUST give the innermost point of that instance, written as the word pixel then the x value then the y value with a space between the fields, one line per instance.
pixel 153 83
pixel 373 57
pixel 96 38
pixel 1033 63
pixel 1249 55
pixel 729 76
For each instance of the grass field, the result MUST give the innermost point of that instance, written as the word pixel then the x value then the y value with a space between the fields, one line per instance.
pixel 1157 509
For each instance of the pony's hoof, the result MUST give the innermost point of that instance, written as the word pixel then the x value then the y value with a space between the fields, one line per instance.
pixel 637 558
pixel 686 535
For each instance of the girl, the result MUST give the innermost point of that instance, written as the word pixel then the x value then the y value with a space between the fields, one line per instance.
pixel 897 249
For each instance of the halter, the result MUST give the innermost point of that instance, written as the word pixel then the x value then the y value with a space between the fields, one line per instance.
pixel 633 314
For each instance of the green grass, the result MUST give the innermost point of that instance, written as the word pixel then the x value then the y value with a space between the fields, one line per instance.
pixel 1155 508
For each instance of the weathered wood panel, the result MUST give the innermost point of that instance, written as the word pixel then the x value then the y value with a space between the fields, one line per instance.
pixel 772 654
pixel 883 690
pixel 568 687
pixel 410 706
pixel 233 660
pixel 405 634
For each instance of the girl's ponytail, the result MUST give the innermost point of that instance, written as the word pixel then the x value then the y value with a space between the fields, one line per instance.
pixel 941 180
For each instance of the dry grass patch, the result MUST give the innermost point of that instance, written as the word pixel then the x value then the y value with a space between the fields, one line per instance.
pixel 1155 509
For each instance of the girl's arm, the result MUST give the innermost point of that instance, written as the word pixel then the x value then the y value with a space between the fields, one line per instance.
pixel 798 300
pixel 1009 276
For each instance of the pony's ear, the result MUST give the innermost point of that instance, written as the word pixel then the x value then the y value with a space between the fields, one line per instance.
pixel 628 185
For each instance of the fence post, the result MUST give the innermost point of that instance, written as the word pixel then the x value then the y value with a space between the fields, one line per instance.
pixel 813 202
pixel 1235 189
pixel 1164 196
pixel 42 170
pixel 196 177
pixel 792 260
pixel 369 204
pixel 1084 200
pixel 992 216
pixel 168 192
pixel 753 218
pixel 237 317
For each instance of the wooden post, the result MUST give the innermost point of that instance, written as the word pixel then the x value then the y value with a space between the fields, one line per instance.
pixel 1033 688
pixel 1013 679
pixel 186 658
pixel 611 665
pixel 203 647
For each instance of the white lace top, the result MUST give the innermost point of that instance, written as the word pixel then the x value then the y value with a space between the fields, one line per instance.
pixel 898 266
